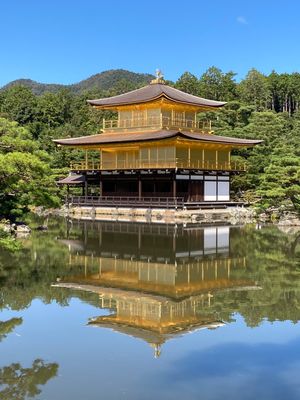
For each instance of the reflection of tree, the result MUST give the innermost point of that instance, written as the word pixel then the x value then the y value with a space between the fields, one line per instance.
pixel 273 260
pixel 18 383
pixel 28 274
pixel 8 326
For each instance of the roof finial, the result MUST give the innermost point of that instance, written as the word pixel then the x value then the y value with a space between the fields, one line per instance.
pixel 159 77
pixel 159 74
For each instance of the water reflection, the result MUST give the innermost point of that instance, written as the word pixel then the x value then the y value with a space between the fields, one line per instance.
pixel 157 281
pixel 151 283
pixel 7 327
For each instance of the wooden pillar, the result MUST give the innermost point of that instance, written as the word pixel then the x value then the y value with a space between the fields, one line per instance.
pixel 140 187
pixel 100 186
pixel 174 187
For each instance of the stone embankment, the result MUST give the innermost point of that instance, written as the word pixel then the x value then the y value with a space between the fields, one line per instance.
pixel 232 215
pixel 19 229
pixel 289 220
pixel 286 220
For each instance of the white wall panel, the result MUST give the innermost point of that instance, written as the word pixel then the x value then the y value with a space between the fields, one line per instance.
pixel 210 191
pixel 223 191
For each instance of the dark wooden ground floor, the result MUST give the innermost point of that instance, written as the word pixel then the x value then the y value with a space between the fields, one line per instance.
pixel 188 186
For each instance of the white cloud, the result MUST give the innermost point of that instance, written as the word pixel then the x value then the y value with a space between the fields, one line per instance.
pixel 242 20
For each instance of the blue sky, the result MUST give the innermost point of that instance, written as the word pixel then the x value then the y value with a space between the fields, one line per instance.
pixel 66 41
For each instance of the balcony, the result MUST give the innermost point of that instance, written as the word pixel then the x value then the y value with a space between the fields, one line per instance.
pixel 157 122
pixel 159 164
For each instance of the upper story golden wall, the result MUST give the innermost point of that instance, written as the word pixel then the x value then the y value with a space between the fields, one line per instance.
pixel 154 116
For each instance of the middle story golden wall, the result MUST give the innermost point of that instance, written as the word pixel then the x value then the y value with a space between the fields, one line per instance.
pixel 171 155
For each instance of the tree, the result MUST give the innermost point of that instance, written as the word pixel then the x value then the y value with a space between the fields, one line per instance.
pixel 54 109
pixel 25 174
pixel 254 90
pixel 18 104
pixel 188 83
pixel 216 85
pixel 275 130
pixel 280 181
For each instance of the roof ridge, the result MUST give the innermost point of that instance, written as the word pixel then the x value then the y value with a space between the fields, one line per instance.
pixel 120 95
pixel 77 137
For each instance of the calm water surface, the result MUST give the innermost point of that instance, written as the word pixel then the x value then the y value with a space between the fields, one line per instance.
pixel 125 311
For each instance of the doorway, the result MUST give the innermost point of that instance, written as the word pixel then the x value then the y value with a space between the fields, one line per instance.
pixel 196 191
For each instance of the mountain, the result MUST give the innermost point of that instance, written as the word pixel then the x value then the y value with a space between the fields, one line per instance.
pixel 36 87
pixel 106 80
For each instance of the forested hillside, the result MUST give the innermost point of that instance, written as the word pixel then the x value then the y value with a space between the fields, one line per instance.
pixel 262 107
pixel 107 80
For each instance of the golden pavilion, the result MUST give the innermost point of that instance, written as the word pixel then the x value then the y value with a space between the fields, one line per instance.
pixel 155 152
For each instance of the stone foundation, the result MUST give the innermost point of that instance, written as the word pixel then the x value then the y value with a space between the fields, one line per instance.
pixel 233 215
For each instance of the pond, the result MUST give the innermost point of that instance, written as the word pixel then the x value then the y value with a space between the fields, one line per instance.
pixel 99 310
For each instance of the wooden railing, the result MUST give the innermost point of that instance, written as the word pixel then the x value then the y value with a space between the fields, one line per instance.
pixel 127 201
pixel 157 121
pixel 159 164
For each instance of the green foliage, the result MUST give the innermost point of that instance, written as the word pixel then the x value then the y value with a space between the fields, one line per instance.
pixel 9 242
pixel 54 109
pixel 19 104
pixel 273 167
pixel 188 83
pixel 6 327
pixel 25 172
pixel 18 383
pixel 254 90
pixel 214 84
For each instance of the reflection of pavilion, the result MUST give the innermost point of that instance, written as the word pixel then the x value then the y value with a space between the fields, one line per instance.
pixel 154 319
pixel 158 285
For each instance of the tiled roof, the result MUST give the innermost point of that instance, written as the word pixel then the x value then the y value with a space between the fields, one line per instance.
pixel 153 92
pixel 72 180
pixel 113 138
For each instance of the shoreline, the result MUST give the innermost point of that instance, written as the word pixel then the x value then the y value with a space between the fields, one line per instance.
pixel 232 215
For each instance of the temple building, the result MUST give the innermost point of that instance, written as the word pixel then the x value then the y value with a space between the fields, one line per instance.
pixel 157 282
pixel 157 147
